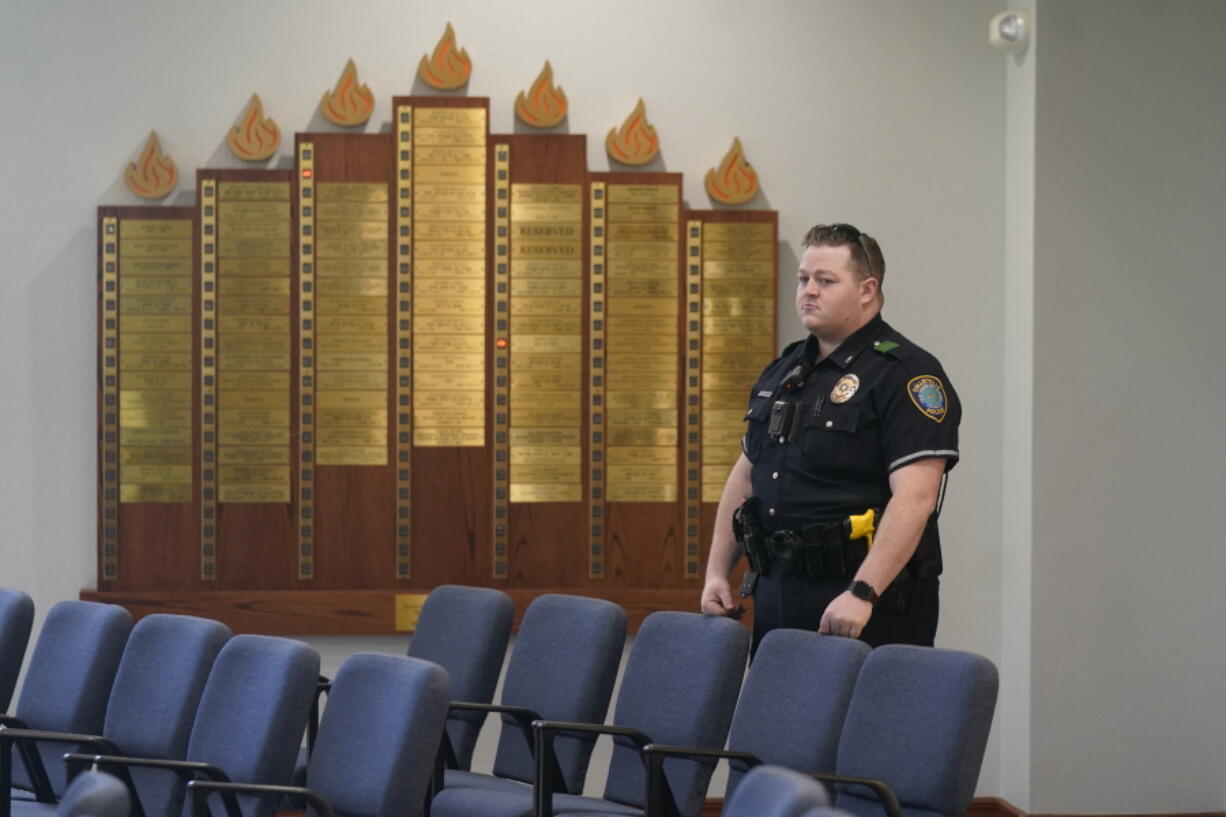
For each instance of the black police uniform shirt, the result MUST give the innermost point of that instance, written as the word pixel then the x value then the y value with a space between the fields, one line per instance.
pixel 876 404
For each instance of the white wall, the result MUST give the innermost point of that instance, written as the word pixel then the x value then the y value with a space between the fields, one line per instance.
pixel 1129 713
pixel 1049 224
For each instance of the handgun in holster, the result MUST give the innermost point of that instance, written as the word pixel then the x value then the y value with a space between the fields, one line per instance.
pixel 749 536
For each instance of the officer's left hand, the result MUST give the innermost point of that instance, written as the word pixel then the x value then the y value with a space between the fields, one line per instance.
pixel 846 616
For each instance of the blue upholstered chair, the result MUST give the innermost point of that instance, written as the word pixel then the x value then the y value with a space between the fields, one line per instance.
pixel 679 687
pixel 95 794
pixel 790 712
pixel 67 686
pixel 465 631
pixel 16 619
pixel 773 791
pixel 152 704
pixel 917 727
pixel 249 724
pixel 377 742
pixel 563 667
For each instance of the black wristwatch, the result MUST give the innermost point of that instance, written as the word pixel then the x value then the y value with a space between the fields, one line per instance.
pixel 863 590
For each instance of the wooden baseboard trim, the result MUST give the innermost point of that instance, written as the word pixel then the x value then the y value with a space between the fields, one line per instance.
pixel 990 807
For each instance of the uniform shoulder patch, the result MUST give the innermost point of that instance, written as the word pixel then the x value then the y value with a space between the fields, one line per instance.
pixel 927 392
pixel 884 346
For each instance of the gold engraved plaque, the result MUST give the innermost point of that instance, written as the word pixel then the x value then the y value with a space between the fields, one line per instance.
pixel 712 232
pixel 447 248
pixel 641 251
pixel 447 382
pixel 254 247
pixel 546 455
pixel 546 325
pixel 351 343
pixel 545 345
pixel 340 248
pixel 571 491
pixel 249 305
pixel 645 268
pixel 254 191
pixel 449 137
pixel 156 436
pixel 139 323
pixel 547 417
pixel 621 455
pixel 547 306
pixel 348 362
pixel 763 270
pixel 156 286
pixel 641 399
pixel 238 455
pixel 242 473
pixel 449 118
pixel 456 344
pixel 342 305
pixel 449 174
pixel 352 286
pixel 617 361
pixel 154 493
pixel 352 192
pixel 261 230
pixel 253 493
pixel 351 399
pixel 647 231
pixel 350 230
pixel 352 267
pixel 438 305
pixel 249 267
pixel 157 380
pixel 408 610
pixel 712 325
pixel 644 418
pixel 758 251
pixel 156 361
pixel 450 211
pixel 149 455
pixel 253 381
pixel 155 267
pixel 448 437
pixel 152 343
pixel 450 268
pixel 352 380
pixel 352 324
pixel 156 304
pixel 451 156
pixel 254 286
pixel 544 437
pixel 619 307
pixel 157 228
pixel 548 212
pixel 560 380
pixel 761 345
pixel 736 288
pixel 736 307
pixel 630 492
pixel 254 361
pixel 350 455
pixel 622 288
pixel 158 474
pixel 444 287
pixel 253 436
pixel 160 399
pixel 636 380
pixel 239 212
pixel 644 194
pixel 642 212
pixel 450 230
pixel 351 211
pixel 523 268
pixel 153 247
pixel 358 437
pixel 353 418
pixel 545 474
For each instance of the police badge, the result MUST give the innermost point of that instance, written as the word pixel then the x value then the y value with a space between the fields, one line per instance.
pixel 845 389
pixel 928 395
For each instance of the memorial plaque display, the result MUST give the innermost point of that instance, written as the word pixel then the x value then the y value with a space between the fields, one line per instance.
pixel 425 356
pixel 146 386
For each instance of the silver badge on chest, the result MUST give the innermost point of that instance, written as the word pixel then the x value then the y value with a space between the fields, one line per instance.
pixel 845 389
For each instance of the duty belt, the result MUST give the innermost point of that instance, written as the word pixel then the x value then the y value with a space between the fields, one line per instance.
pixel 820 551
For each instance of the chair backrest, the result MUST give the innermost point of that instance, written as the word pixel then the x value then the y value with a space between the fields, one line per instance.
pixel 773 791
pixel 918 720
pixel 253 713
pixel 793 701
pixel 16 619
pixel 156 694
pixel 465 631
pixel 68 681
pixel 95 794
pixel 562 667
pixel 679 687
pixel 379 736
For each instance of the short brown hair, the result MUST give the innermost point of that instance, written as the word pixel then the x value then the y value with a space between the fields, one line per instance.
pixel 866 258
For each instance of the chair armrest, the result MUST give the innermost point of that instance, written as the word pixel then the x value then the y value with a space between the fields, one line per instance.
pixel 659 797
pixel 185 769
pixel 323 686
pixel 889 800
pixel 547 770
pixel 25 740
pixel 199 790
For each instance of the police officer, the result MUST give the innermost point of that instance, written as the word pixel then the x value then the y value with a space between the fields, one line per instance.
pixel 852 419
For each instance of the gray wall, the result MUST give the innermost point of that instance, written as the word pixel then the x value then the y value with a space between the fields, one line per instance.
pixel 1129 713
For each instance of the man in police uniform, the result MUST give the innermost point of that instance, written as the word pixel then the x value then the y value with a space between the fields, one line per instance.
pixel 853 418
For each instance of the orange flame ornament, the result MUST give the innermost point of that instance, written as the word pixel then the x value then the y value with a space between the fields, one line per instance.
pixel 735 181
pixel 635 142
pixel 544 105
pixel 254 138
pixel 153 175
pixel 349 103
pixel 447 68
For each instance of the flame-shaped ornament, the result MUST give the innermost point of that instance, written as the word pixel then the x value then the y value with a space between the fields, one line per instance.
pixel 447 68
pixel 153 175
pixel 735 181
pixel 544 105
pixel 255 138
pixel 349 103
pixel 635 142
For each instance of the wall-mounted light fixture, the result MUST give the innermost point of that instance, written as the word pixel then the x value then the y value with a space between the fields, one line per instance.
pixel 1009 31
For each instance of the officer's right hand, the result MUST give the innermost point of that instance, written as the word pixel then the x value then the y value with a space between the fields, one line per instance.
pixel 717 599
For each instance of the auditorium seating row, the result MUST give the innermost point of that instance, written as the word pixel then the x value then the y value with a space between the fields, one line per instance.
pixel 216 718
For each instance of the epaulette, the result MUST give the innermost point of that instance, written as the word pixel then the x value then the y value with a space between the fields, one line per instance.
pixel 912 357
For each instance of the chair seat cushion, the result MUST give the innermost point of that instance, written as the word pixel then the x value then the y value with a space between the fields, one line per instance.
pixel 564 804
pixel 482 802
